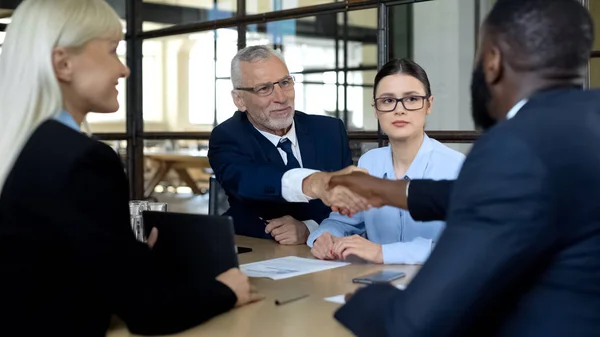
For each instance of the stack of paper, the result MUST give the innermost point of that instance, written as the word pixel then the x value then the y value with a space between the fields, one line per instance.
pixel 288 266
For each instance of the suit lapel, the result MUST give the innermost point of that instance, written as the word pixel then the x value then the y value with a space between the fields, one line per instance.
pixel 308 151
pixel 265 145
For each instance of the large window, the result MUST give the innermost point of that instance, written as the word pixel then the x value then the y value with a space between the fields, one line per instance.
pixel 332 48
pixel 192 82
pixel 186 78
pixel 210 88
pixel 153 86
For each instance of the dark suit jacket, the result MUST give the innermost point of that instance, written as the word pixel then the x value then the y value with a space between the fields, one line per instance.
pixel 520 255
pixel 68 255
pixel 250 168
pixel 428 199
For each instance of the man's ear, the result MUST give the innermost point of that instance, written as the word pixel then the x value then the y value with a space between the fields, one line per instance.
pixel 61 62
pixel 238 100
pixel 493 65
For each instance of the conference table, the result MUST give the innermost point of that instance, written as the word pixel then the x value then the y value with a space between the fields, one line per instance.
pixel 309 316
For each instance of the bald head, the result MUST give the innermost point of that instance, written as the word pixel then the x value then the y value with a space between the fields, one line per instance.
pixel 548 36
pixel 528 46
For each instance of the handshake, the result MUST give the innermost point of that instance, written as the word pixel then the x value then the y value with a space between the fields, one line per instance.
pixel 347 191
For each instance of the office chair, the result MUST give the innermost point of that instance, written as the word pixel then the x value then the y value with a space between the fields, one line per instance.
pixel 217 199
pixel 218 204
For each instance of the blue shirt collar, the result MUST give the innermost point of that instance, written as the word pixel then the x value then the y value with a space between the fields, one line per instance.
pixel 417 168
pixel 66 118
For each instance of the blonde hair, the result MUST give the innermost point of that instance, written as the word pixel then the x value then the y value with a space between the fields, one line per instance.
pixel 29 90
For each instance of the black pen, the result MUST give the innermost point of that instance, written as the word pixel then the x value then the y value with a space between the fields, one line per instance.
pixel 278 302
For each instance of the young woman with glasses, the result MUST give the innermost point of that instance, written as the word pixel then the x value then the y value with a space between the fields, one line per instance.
pixel 401 101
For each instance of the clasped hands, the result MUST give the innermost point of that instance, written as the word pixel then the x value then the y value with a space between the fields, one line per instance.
pixel 329 247
pixel 347 191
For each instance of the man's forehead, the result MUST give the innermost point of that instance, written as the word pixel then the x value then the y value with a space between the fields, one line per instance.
pixel 263 70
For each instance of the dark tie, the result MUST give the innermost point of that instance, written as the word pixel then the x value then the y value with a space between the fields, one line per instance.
pixel 286 145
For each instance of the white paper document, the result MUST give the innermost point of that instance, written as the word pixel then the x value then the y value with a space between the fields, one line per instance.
pixel 341 298
pixel 288 266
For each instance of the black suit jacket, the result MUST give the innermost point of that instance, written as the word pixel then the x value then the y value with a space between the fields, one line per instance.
pixel 68 256
pixel 428 199
pixel 249 168
pixel 520 255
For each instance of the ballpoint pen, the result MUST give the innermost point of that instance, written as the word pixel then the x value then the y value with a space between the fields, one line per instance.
pixel 281 302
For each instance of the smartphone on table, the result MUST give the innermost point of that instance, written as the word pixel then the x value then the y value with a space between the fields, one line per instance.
pixel 384 276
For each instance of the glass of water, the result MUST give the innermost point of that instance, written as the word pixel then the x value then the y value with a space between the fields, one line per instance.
pixel 157 206
pixel 136 207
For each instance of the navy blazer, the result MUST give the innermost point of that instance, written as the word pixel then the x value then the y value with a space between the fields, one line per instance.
pixel 249 168
pixel 520 255
pixel 428 199
pixel 68 255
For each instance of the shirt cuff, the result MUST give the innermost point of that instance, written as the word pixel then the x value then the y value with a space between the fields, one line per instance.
pixel 291 185
pixel 412 252
pixel 311 225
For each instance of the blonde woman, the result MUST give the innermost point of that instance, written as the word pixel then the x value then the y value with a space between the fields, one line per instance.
pixel 69 258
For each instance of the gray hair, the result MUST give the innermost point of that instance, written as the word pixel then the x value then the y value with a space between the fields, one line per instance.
pixel 250 54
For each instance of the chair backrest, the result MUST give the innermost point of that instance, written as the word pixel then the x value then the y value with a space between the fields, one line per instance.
pixel 193 247
pixel 217 199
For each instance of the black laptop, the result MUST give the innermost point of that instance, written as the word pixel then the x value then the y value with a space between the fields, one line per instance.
pixel 192 247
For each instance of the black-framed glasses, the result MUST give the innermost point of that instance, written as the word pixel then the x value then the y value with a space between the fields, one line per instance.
pixel 265 89
pixel 410 103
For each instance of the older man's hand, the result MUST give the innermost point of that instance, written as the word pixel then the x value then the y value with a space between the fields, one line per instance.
pixel 287 230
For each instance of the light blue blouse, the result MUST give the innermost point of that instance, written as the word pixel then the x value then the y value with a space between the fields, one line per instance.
pixel 66 118
pixel 403 240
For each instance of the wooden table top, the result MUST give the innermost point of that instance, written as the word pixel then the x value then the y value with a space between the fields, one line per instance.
pixel 311 316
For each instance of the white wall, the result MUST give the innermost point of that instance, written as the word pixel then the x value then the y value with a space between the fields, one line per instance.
pixel 444 45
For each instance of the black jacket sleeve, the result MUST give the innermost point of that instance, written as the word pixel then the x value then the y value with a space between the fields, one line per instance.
pixel 428 199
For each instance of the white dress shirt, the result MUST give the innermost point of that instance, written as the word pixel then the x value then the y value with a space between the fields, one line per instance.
pixel 291 182
pixel 515 109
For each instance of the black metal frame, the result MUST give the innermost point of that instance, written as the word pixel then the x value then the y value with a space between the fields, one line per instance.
pixel 135 118
pixel 382 50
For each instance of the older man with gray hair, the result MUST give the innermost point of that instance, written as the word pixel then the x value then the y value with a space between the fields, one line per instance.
pixel 275 162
